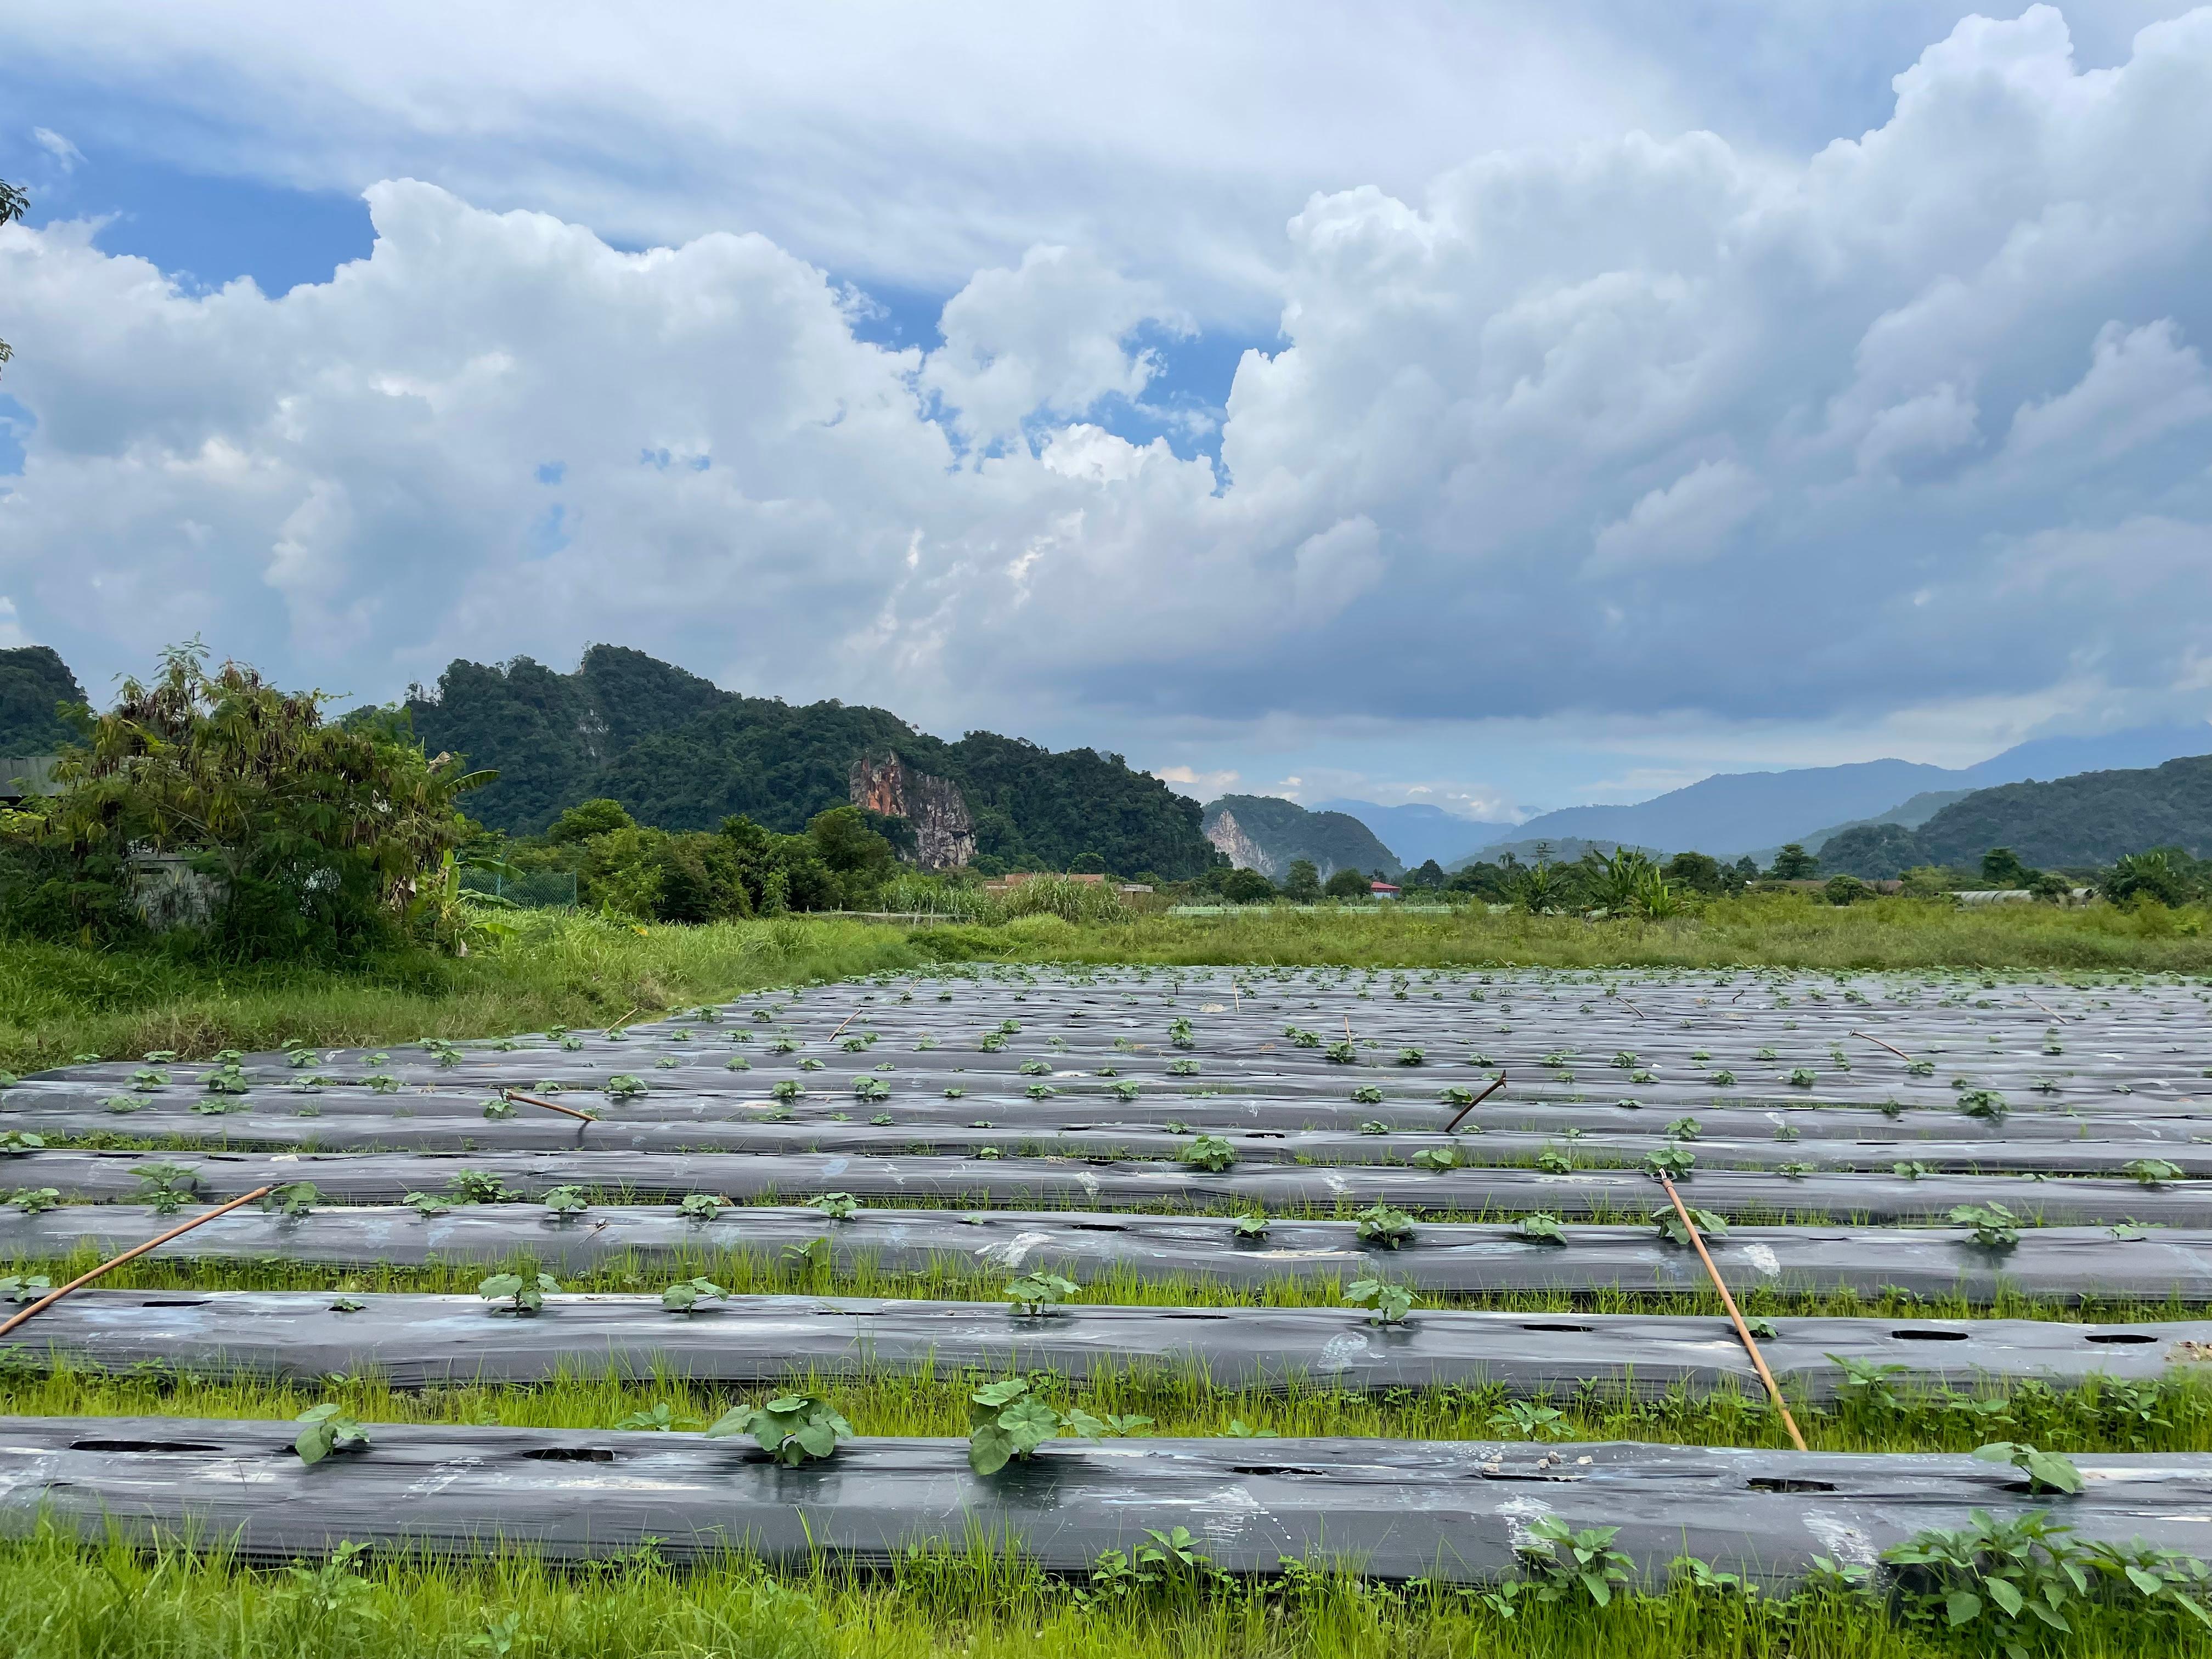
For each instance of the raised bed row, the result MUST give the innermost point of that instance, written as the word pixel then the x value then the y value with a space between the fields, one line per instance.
pixel 1396 1510
pixel 388 1178
pixel 2061 1263
pixel 417 1341
pixel 757 1123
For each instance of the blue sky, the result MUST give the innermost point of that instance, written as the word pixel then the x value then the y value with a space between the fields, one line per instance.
pixel 1618 396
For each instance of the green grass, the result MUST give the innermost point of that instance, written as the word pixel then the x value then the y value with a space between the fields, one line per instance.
pixel 61 1599
pixel 574 969
pixel 2174 1415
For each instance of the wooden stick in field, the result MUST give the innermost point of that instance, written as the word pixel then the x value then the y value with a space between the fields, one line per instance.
pixel 1742 1330
pixel 131 1255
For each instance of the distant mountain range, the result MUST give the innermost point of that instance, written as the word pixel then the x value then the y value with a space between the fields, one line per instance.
pixel 33 679
pixel 1419 833
pixel 1733 814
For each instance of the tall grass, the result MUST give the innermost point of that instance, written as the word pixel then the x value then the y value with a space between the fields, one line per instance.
pixel 579 970
pixel 59 1600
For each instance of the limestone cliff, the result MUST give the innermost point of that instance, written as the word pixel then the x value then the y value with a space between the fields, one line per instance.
pixel 944 830
pixel 1225 832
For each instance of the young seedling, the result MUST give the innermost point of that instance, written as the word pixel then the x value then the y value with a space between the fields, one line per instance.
pixel 1561 1561
pixel 1554 1162
pixel 2045 1471
pixel 497 1108
pixel 686 1294
pixel 701 1206
pixel 14 1142
pixel 293 1201
pixel 1802 1077
pixel 16 1287
pixel 838 1206
pixel 788 1089
pixel 1674 1233
pixel 166 1185
pixel 1251 1225
pixel 1912 1169
pixel 792 1428
pixel 1994 1226
pixel 1341 1054
pixel 1541 1228
pixel 871 1089
pixel 329 1429
pixel 1035 1068
pixel 524 1294
pixel 623 1086
pixel 1985 1104
pixel 562 1203
pixel 1525 1420
pixel 1412 1056
pixel 2151 1171
pixel 1179 1033
pixel 1390 1303
pixel 1685 1128
pixel 1725 1079
pixel 427 1205
pixel 1210 1153
pixel 1035 1295
pixel 35 1201
pixel 1673 1161
pixel 1383 1224
pixel 1004 1423
pixel 1182 1068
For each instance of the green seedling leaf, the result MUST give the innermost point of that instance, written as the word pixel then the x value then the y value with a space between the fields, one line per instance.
pixel 686 1294
pixel 1210 1153
pixel 1390 1303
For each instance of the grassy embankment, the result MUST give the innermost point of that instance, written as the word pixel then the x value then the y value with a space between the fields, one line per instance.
pixel 57 1001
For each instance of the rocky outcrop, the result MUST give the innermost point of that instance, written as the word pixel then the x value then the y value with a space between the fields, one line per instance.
pixel 1225 832
pixel 944 830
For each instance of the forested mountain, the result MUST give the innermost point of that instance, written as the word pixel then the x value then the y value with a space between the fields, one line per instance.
pixel 1268 834
pixel 680 753
pixel 33 679
pixel 2090 818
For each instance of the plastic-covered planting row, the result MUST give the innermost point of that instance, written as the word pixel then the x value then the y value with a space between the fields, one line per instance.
pixel 290 1116
pixel 418 1342
pixel 1928 1078
pixel 1397 1510
pixel 388 1178
pixel 2058 1263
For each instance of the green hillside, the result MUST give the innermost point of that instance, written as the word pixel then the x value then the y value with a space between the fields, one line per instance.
pixel 32 680
pixel 2092 817
pixel 680 753
pixel 1267 833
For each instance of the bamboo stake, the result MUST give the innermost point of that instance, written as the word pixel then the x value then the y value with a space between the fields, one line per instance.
pixel 517 1094
pixel 2052 1013
pixel 1879 1044
pixel 131 1255
pixel 1742 1330
pixel 843 1023
pixel 1477 1101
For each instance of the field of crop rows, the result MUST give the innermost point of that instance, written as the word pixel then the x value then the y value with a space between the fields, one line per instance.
pixel 1419 1219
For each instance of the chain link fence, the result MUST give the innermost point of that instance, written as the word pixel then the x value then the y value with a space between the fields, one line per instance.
pixel 533 890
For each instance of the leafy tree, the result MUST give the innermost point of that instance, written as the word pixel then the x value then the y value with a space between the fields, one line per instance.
pixel 2159 876
pixel 13 200
pixel 1086 864
pixel 1794 863
pixel 316 838
pixel 1302 884
pixel 2002 868
pixel 1745 870
pixel 1242 886
pixel 1347 884
pixel 597 817
pixel 1696 872
pixel 1431 874
pixel 1846 890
